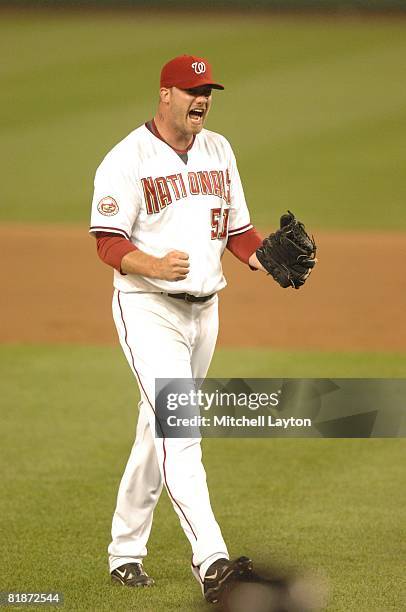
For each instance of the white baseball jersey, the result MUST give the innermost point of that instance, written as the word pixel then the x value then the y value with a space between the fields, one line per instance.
pixel 148 194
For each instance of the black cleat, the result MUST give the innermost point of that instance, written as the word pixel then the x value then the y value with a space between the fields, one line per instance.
pixel 221 573
pixel 131 575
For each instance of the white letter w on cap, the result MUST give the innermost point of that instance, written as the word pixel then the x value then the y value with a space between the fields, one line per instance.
pixel 199 67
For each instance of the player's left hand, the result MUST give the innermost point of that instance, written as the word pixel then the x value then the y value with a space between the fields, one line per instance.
pixel 289 254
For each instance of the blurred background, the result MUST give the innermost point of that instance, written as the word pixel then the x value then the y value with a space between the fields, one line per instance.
pixel 315 109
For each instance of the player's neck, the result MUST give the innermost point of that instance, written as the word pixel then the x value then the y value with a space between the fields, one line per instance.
pixel 171 136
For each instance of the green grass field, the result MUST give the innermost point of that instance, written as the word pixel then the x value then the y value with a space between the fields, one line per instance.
pixel 315 109
pixel 316 112
pixel 335 507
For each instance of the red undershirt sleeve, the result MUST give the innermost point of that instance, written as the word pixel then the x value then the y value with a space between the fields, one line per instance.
pixel 111 248
pixel 244 245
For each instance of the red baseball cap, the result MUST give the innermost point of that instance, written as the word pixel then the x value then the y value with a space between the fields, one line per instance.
pixel 187 72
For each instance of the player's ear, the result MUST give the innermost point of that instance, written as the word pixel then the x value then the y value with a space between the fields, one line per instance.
pixel 164 95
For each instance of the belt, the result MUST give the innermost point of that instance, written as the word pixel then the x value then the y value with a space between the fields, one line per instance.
pixel 188 297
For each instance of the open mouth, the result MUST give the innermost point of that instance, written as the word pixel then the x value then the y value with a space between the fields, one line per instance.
pixel 196 114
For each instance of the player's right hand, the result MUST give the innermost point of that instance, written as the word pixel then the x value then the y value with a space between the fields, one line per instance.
pixel 174 266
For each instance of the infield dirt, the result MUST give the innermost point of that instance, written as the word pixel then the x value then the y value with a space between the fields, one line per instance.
pixel 56 290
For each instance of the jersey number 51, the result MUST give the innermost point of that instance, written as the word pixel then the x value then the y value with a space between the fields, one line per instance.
pixel 219 223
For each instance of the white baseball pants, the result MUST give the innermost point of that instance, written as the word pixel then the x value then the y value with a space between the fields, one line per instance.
pixel 163 337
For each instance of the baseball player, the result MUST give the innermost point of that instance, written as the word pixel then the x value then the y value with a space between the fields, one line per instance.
pixel 167 202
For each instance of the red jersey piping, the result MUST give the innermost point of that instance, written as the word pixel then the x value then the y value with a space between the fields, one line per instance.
pixel 111 230
pixel 241 229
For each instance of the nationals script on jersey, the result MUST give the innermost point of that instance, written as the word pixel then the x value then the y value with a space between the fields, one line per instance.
pixel 148 194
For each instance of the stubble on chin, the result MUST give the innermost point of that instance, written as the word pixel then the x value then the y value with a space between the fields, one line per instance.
pixel 196 129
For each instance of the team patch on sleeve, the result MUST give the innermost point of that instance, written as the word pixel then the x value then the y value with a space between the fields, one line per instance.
pixel 108 207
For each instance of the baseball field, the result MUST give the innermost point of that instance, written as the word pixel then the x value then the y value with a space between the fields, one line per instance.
pixel 315 109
